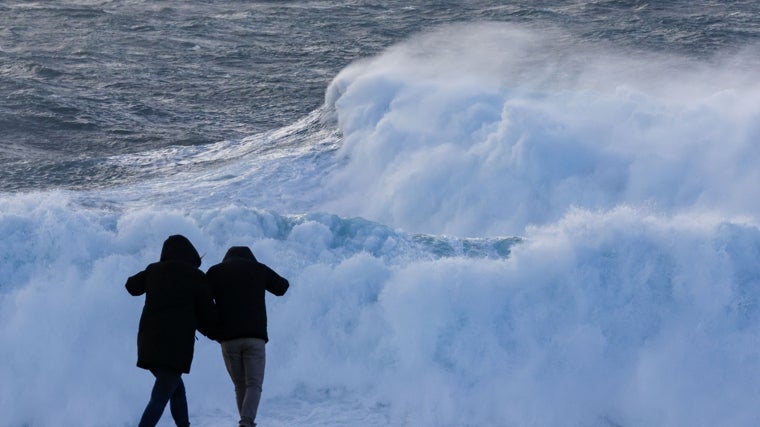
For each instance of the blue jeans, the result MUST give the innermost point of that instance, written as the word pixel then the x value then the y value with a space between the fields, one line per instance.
pixel 245 359
pixel 167 388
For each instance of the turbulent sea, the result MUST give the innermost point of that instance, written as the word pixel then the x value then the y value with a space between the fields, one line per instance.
pixel 525 213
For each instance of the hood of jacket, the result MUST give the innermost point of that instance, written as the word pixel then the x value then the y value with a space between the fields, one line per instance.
pixel 179 248
pixel 239 252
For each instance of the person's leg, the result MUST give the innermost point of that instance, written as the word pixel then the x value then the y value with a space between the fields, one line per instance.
pixel 254 360
pixel 233 361
pixel 163 389
pixel 178 405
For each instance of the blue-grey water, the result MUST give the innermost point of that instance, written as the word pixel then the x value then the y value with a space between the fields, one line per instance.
pixel 84 80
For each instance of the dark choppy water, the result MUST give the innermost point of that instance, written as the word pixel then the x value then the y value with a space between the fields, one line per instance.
pixel 84 80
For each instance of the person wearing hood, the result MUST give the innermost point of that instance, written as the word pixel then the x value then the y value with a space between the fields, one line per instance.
pixel 239 284
pixel 177 303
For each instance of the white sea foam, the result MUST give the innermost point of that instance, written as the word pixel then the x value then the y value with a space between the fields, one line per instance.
pixel 629 295
pixel 488 131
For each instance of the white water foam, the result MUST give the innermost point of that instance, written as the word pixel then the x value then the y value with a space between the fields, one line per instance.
pixel 482 131
pixel 630 297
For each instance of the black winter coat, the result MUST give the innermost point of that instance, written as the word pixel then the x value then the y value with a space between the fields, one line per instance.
pixel 238 285
pixel 177 302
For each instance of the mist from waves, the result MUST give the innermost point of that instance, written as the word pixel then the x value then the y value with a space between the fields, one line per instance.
pixel 482 130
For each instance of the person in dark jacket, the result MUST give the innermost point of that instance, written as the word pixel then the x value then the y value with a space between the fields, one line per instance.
pixel 238 285
pixel 177 303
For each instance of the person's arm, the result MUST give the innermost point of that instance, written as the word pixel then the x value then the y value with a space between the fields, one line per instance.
pixel 136 284
pixel 211 283
pixel 276 284
pixel 208 317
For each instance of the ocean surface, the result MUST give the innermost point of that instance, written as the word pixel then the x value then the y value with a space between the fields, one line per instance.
pixel 525 213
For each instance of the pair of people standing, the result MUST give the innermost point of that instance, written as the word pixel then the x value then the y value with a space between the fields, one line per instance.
pixel 225 304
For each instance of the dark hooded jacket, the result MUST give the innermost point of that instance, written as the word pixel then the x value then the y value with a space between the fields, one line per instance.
pixel 238 285
pixel 177 302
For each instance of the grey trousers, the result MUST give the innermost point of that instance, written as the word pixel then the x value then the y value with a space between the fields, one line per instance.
pixel 245 359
